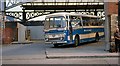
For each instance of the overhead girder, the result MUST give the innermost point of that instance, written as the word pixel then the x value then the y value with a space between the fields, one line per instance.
pixel 29 15
pixel 13 3
pixel 62 7
pixel 40 9
pixel 16 15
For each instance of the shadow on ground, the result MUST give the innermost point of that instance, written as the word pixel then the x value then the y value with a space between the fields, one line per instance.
pixel 71 45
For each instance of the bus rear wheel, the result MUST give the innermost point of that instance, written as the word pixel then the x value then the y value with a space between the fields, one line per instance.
pixel 76 43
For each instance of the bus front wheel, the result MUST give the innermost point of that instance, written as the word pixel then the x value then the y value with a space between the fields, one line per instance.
pixel 55 45
pixel 76 43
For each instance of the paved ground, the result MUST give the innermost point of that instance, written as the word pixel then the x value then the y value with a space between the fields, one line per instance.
pixel 93 49
pixel 65 61
pixel 40 53
pixel 24 51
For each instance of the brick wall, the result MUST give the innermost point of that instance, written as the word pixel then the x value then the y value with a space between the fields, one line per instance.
pixel 112 8
pixel 9 32
pixel 7 35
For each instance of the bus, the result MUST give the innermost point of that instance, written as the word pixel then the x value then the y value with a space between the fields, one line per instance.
pixel 72 28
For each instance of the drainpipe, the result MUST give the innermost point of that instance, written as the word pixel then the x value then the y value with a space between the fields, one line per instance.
pixel 119 20
pixel 119 14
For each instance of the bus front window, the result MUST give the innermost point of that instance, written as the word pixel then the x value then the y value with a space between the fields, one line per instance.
pixel 55 22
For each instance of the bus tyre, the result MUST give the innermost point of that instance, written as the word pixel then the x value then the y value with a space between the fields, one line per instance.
pixel 97 37
pixel 76 41
pixel 55 45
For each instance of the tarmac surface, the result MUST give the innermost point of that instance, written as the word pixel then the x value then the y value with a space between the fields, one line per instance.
pixel 86 50
pixel 40 53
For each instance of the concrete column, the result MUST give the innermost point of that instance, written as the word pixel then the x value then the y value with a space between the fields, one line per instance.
pixel 106 27
pixel 21 33
pixel 2 8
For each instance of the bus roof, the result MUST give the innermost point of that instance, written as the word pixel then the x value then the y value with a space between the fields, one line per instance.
pixel 72 14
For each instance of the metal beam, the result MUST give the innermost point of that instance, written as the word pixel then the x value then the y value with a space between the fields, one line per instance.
pixel 13 3
pixel 25 16
pixel 61 7
pixel 17 15
pixel 45 8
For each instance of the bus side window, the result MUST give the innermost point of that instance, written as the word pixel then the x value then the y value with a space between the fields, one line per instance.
pixel 47 22
pixel 80 23
pixel 89 23
pixel 86 24
pixel 86 21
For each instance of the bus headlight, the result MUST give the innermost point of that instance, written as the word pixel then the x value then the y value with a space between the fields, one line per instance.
pixel 61 38
pixel 46 39
pixel 62 35
pixel 46 36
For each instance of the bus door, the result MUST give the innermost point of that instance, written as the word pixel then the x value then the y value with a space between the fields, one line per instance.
pixel 74 23
pixel 70 31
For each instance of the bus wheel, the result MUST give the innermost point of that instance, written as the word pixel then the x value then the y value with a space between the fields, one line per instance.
pixel 76 41
pixel 97 37
pixel 55 45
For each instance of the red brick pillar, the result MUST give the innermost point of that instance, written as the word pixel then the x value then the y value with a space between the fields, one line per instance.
pixel 7 35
